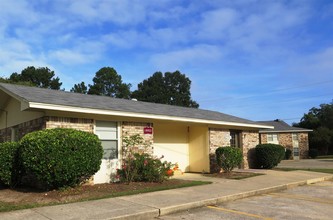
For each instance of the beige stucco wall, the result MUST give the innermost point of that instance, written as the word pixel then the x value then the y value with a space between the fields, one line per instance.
pixel 198 149
pixel 172 141
pixel 15 116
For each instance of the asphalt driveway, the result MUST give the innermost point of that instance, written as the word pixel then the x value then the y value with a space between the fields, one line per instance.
pixel 306 202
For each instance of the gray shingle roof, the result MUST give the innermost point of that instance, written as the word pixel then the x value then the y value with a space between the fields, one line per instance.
pixel 281 126
pixel 55 97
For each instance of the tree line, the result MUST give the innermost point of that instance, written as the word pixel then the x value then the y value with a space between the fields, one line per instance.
pixel 320 120
pixel 171 88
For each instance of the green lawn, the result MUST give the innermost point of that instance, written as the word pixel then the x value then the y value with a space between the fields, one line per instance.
pixel 320 170
pixel 325 157
pixel 7 206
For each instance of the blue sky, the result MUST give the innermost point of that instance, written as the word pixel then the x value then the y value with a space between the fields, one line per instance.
pixel 255 59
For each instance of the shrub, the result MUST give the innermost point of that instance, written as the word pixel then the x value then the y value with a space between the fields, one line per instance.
pixel 228 158
pixel 287 154
pixel 60 157
pixel 269 155
pixel 145 168
pixel 313 153
pixel 8 163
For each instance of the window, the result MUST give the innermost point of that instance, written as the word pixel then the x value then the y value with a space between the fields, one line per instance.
pixel 108 134
pixel 272 139
pixel 234 139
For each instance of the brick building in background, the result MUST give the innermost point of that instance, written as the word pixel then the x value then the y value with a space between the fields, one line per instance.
pixel 293 138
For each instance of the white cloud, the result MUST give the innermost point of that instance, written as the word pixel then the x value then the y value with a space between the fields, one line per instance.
pixel 192 56
pixel 69 57
pixel 118 12
pixel 215 23
pixel 315 67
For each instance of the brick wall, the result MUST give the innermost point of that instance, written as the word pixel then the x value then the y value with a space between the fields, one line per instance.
pixel 5 135
pixel 82 124
pixel 23 129
pixel 217 138
pixel 263 138
pixel 48 122
pixel 303 143
pixel 250 139
pixel 285 139
pixel 132 128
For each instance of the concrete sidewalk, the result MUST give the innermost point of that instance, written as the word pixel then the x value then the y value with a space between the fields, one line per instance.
pixel 151 205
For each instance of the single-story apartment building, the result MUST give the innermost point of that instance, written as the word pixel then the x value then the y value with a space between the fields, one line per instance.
pixel 186 136
pixel 294 138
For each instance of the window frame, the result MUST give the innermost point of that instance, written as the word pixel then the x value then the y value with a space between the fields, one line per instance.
pixel 114 138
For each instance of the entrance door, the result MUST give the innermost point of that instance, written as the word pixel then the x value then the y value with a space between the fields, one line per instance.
pixel 107 132
pixel 295 146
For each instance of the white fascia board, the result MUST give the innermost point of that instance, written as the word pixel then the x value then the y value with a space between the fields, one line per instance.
pixel 138 115
pixel 286 131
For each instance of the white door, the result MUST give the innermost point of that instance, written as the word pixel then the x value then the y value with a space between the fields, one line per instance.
pixel 108 133
pixel 295 146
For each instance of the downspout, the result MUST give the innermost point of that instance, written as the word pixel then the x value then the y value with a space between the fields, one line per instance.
pixel 6 121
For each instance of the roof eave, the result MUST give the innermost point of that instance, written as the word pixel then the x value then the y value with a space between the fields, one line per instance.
pixel 284 131
pixel 44 106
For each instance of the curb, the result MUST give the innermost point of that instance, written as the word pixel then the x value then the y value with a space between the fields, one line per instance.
pixel 141 215
pixel 215 201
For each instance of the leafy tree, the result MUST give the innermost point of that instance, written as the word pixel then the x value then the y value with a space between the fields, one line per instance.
pixel 80 88
pixel 321 121
pixel 41 77
pixel 170 88
pixel 107 82
pixel 3 80
pixel 6 80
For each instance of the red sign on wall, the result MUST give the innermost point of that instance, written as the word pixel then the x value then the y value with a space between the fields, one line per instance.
pixel 148 130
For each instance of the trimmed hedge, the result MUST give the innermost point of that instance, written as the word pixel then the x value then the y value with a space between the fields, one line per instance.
pixel 269 155
pixel 8 163
pixel 60 157
pixel 313 153
pixel 228 158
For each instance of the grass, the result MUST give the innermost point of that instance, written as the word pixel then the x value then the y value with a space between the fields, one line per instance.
pixel 6 206
pixel 244 177
pixel 319 170
pixel 325 157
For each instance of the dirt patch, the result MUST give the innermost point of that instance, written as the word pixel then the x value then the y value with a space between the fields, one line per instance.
pixel 233 175
pixel 26 196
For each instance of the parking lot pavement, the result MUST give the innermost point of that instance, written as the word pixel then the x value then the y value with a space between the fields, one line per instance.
pixel 305 202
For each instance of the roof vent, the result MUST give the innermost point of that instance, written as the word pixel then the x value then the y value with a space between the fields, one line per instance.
pixel 134 100
pixel 277 120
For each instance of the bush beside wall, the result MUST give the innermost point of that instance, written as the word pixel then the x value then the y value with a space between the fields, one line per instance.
pixel 269 155
pixel 8 163
pixel 313 153
pixel 60 157
pixel 228 158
